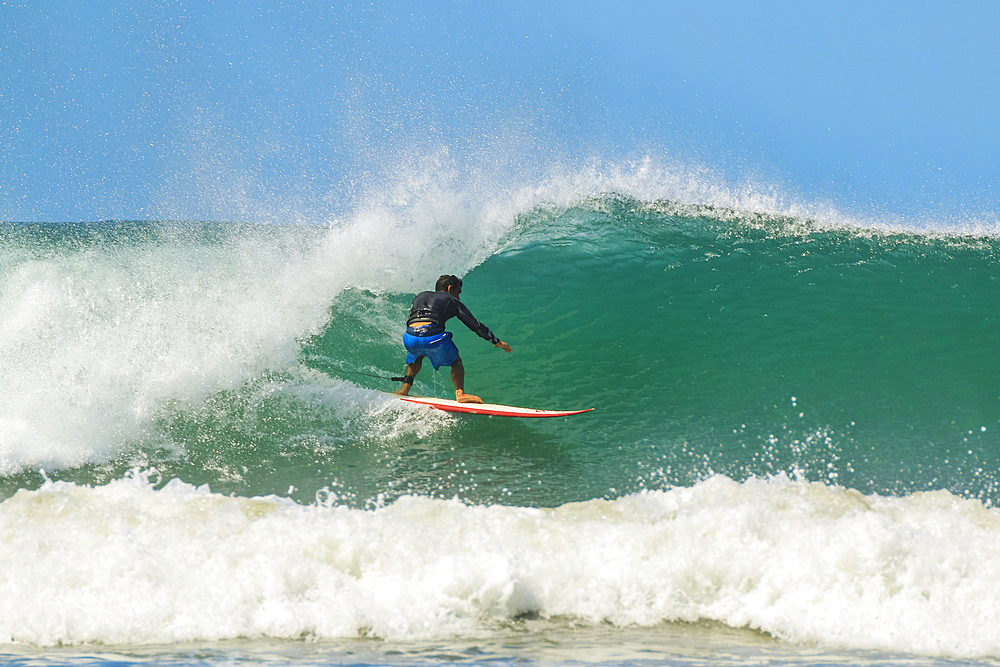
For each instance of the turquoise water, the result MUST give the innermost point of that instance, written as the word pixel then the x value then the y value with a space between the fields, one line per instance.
pixel 793 454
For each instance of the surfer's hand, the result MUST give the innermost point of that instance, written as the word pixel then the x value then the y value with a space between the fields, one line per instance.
pixel 503 346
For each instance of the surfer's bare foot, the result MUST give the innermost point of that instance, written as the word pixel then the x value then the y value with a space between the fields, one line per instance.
pixel 404 391
pixel 462 397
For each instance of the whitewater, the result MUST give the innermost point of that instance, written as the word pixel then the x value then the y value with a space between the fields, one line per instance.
pixel 792 458
pixel 131 562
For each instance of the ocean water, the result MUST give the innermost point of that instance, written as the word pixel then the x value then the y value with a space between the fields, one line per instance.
pixel 793 457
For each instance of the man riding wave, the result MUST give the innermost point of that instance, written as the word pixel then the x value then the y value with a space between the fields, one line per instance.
pixel 426 337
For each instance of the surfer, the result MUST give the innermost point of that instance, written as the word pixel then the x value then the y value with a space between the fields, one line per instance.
pixel 425 335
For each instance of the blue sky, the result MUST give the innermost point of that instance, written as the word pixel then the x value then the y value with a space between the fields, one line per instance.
pixel 194 109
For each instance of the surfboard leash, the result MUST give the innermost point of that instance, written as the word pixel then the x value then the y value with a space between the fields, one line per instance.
pixel 377 377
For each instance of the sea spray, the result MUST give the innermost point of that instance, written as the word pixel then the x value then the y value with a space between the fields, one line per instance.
pixel 97 337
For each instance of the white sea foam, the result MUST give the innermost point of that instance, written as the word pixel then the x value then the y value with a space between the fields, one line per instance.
pixel 93 343
pixel 128 563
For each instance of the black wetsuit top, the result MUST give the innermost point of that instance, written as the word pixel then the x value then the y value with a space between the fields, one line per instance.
pixel 439 307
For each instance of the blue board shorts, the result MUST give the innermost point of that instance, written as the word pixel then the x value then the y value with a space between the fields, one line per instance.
pixel 437 347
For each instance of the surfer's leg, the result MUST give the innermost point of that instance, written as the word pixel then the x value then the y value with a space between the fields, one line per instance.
pixel 411 372
pixel 458 377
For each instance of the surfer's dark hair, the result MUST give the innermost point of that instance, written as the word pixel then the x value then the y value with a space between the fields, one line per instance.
pixel 444 282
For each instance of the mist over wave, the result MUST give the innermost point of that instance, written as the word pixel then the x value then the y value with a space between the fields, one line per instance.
pixel 103 326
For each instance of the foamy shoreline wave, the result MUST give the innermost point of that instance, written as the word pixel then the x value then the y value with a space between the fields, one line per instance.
pixel 132 562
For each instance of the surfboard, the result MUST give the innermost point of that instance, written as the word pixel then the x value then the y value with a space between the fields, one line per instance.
pixel 450 405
